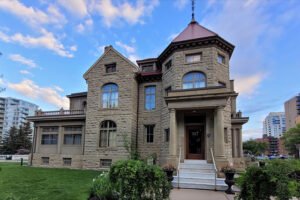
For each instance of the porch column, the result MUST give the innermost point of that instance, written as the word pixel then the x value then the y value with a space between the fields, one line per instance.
pixel 173 133
pixel 219 144
pixel 240 143
pixel 235 145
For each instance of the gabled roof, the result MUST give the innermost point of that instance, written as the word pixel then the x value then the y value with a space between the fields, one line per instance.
pixel 194 31
pixel 107 49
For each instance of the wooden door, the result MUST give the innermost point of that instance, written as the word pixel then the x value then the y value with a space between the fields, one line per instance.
pixel 195 144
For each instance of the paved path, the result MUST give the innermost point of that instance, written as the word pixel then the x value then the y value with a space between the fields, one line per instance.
pixel 189 194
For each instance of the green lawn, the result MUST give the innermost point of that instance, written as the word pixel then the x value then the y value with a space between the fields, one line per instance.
pixel 28 183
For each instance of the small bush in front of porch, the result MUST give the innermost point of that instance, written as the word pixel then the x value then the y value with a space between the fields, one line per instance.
pixel 132 180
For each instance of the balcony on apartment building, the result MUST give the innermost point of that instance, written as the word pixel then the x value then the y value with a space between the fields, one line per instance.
pixel 57 115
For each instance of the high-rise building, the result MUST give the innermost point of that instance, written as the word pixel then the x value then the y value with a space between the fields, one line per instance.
pixel 2 106
pixel 14 112
pixel 292 112
pixel 274 124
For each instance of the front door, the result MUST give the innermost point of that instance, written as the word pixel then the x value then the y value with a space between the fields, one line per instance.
pixel 195 142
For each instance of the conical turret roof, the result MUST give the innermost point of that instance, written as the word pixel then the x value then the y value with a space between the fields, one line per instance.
pixel 194 31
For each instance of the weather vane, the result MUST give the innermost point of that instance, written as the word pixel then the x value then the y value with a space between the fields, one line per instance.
pixel 193 10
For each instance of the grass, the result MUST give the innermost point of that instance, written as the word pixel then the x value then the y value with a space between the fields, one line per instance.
pixel 30 183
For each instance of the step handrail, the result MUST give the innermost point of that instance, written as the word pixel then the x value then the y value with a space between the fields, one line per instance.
pixel 178 167
pixel 215 167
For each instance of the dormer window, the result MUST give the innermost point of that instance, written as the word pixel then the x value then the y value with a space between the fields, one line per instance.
pixel 221 59
pixel 148 68
pixel 191 58
pixel 109 68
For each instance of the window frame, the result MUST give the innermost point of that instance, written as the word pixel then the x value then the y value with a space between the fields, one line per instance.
pixel 168 65
pixel 45 159
pixel 223 59
pixel 112 66
pixel 148 97
pixel 50 139
pixel 194 82
pixel 109 129
pixel 68 163
pixel 111 92
pixel 167 134
pixel 73 138
pixel 193 55
pixel 148 134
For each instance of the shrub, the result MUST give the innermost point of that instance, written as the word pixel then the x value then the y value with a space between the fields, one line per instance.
pixel 254 184
pixel 135 180
pixel 102 187
pixel 274 179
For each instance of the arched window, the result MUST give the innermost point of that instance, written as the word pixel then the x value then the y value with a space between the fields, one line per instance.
pixel 110 95
pixel 108 131
pixel 194 80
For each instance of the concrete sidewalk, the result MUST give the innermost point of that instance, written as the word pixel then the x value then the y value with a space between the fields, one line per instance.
pixel 191 194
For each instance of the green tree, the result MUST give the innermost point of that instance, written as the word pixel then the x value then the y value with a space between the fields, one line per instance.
pixel 17 139
pixel 255 147
pixel 291 138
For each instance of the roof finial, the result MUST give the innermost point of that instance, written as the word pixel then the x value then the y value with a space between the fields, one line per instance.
pixel 193 11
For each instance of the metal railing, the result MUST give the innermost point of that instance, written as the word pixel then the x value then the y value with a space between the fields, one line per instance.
pixel 178 168
pixel 215 168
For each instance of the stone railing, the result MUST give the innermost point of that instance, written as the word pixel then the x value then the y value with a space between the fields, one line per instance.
pixel 59 112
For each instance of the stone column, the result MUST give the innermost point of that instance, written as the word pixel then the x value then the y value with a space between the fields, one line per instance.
pixel 173 134
pixel 233 143
pixel 240 143
pixel 219 144
pixel 60 139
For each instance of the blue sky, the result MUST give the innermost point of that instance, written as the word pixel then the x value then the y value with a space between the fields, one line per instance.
pixel 47 45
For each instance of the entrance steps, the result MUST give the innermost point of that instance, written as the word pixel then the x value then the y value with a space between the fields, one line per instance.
pixel 198 174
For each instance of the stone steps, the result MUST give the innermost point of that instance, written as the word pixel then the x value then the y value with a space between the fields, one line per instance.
pixel 198 174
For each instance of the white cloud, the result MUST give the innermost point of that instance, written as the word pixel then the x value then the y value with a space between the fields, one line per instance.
pixel 87 24
pixel 33 16
pixel 73 48
pixel 25 72
pixel 46 40
pixel 132 14
pixel 248 85
pixel 30 89
pixel 59 89
pixel 76 7
pixel 128 49
pixel 252 134
pixel 180 4
pixel 20 59
pixel 172 36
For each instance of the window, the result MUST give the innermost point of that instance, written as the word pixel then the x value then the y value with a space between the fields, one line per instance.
pixel 72 139
pixel 167 135
pixel 191 58
pixel 221 59
pixel 45 160
pixel 111 68
pixel 149 133
pixel 50 129
pixel 108 134
pixel 73 129
pixel 49 138
pixel 110 95
pixel 168 65
pixel 147 68
pixel 150 97
pixel 105 163
pixel 194 80
pixel 67 161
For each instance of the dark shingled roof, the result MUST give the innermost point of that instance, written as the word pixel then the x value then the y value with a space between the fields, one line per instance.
pixel 194 31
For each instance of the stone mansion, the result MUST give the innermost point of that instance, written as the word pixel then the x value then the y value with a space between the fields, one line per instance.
pixel 178 106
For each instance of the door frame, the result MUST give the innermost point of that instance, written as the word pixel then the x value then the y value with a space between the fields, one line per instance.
pixel 203 143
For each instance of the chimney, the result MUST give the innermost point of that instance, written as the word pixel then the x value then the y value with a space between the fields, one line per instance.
pixel 107 47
